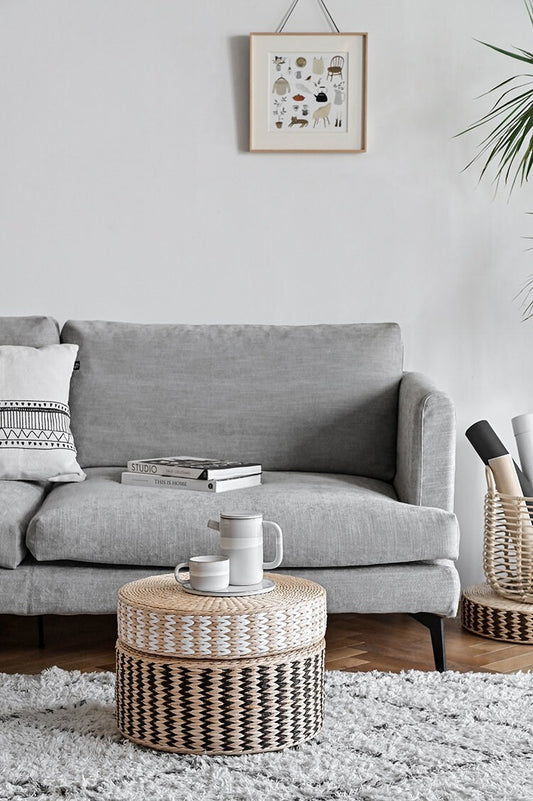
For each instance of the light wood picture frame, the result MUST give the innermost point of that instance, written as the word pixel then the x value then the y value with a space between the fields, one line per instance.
pixel 308 92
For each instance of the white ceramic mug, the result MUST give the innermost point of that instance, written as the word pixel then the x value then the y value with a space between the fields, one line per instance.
pixel 241 539
pixel 207 573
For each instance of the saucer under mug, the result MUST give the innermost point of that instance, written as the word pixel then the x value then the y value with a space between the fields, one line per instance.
pixel 267 585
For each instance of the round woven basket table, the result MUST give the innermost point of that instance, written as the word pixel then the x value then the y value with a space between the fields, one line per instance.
pixel 489 614
pixel 220 675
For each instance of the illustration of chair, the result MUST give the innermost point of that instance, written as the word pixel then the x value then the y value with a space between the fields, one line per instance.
pixel 336 66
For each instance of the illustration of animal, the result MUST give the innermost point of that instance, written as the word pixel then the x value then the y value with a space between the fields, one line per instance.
pixel 295 121
pixel 322 114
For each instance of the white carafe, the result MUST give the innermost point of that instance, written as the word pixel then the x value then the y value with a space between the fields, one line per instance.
pixel 241 538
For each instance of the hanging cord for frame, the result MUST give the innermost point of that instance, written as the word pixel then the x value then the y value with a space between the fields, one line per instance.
pixel 323 6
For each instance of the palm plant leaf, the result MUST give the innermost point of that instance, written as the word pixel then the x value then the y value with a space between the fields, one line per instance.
pixel 526 56
pixel 527 302
pixel 508 145
pixel 509 142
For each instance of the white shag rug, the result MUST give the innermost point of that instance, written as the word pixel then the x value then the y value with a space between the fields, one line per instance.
pixel 430 736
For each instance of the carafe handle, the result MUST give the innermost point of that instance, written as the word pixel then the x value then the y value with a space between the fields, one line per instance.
pixel 213 524
pixel 279 547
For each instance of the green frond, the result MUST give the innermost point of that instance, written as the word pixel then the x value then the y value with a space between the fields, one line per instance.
pixel 529 8
pixel 507 146
pixel 527 57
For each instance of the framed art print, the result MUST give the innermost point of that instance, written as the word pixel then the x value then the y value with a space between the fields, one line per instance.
pixel 308 92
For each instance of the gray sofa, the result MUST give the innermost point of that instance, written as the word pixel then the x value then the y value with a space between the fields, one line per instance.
pixel 358 460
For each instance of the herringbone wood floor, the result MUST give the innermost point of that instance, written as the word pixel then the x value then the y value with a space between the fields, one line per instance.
pixel 354 642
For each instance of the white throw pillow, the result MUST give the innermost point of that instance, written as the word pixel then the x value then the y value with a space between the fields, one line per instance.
pixel 36 443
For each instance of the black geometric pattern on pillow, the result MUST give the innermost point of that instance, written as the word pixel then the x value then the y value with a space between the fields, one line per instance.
pixel 35 424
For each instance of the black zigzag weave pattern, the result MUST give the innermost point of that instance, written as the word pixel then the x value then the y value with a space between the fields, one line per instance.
pixel 218 707
pixel 39 425
pixel 509 625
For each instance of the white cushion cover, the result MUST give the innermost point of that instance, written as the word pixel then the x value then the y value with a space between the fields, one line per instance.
pixel 36 443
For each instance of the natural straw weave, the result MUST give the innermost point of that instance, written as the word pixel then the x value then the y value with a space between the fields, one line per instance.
pixel 220 675
pixel 508 543
pixel 155 615
pixel 220 707
pixel 488 614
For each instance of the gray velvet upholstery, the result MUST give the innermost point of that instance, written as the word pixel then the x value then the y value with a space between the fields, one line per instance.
pixel 425 466
pixel 359 462
pixel 318 398
pixel 328 520
pixel 67 588
pixel 19 500
pixel 33 332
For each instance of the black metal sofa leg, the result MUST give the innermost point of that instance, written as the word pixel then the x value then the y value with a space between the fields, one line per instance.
pixel 435 624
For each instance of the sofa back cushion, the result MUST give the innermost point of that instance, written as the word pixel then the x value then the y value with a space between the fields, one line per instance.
pixel 34 332
pixel 320 398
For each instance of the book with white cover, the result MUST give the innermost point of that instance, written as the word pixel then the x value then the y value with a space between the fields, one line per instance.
pixel 195 484
pixel 192 467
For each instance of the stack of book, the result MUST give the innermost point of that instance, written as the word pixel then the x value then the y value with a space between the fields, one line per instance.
pixel 192 473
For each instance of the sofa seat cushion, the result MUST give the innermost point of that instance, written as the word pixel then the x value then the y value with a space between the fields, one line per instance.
pixel 19 500
pixel 328 520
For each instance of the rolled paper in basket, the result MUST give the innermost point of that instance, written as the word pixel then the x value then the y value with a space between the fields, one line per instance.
pixel 488 445
pixel 516 513
pixel 505 476
pixel 523 432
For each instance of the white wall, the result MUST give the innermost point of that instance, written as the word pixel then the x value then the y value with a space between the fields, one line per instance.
pixel 127 192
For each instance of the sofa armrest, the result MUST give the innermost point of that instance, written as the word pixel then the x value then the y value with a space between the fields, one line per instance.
pixel 425 458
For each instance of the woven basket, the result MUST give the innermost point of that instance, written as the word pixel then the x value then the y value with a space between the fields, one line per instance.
pixel 487 614
pixel 156 616
pixel 246 706
pixel 508 543
pixel 220 675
